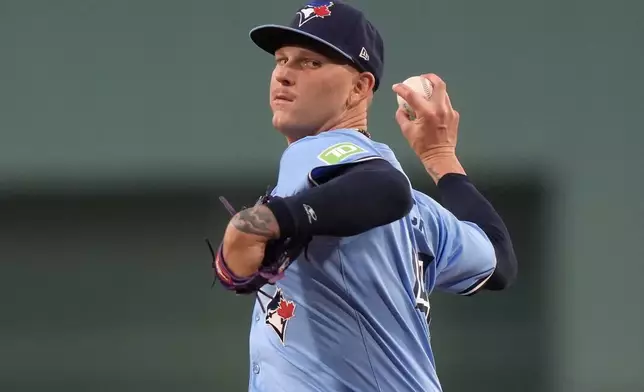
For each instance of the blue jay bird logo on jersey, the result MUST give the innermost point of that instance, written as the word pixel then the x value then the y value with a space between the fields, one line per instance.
pixel 278 312
pixel 316 9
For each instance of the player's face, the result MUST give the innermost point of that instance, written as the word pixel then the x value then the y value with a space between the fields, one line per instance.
pixel 309 91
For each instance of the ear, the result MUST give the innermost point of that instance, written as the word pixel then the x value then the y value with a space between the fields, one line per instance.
pixel 362 88
pixel 365 84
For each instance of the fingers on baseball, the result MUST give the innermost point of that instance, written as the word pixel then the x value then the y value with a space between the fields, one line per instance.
pixel 439 88
pixel 440 97
pixel 436 81
pixel 414 99
pixel 437 106
pixel 402 116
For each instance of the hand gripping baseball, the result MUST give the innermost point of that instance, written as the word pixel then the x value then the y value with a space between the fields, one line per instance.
pixel 433 133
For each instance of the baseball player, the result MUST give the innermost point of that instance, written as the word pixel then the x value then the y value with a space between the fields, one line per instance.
pixel 343 252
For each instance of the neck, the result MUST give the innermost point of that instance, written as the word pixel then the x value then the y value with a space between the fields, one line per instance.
pixel 355 120
pixel 351 120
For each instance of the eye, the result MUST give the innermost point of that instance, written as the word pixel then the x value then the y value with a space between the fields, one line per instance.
pixel 280 60
pixel 312 63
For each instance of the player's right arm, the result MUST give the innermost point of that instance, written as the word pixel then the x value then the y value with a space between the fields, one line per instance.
pixel 469 242
pixel 473 213
pixel 472 228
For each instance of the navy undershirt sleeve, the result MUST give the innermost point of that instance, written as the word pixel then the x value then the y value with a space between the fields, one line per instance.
pixel 461 198
pixel 358 198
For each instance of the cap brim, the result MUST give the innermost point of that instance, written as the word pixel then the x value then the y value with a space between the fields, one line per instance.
pixel 271 37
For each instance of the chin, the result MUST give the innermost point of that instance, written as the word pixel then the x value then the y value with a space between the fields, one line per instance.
pixel 285 124
pixel 280 122
pixel 292 126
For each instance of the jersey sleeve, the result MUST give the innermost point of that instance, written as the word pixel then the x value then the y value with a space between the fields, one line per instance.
pixel 323 156
pixel 464 255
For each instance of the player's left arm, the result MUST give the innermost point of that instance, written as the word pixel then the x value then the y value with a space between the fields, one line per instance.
pixel 347 200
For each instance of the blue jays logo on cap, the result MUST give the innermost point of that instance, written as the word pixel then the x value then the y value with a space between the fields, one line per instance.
pixel 316 9
pixel 342 29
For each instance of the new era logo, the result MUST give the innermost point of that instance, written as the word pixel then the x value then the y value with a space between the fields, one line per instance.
pixel 364 54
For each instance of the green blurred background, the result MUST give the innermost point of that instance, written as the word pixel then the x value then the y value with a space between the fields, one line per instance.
pixel 121 122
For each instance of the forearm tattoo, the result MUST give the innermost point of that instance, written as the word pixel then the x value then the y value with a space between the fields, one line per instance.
pixel 257 220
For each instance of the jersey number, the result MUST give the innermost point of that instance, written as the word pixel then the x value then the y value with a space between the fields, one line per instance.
pixel 420 292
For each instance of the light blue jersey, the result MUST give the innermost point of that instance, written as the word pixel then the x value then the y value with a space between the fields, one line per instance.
pixel 353 315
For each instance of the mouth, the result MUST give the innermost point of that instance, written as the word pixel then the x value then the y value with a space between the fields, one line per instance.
pixel 283 97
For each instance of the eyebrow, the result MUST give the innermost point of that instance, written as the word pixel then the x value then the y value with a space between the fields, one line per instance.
pixel 328 59
pixel 304 53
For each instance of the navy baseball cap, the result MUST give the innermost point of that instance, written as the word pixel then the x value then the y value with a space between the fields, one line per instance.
pixel 331 26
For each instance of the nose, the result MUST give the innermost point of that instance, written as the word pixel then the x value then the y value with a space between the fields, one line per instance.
pixel 284 76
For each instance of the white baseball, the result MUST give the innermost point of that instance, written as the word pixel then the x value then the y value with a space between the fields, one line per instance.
pixel 419 84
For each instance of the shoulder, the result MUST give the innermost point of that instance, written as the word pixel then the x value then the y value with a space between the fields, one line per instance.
pixel 314 159
pixel 329 148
